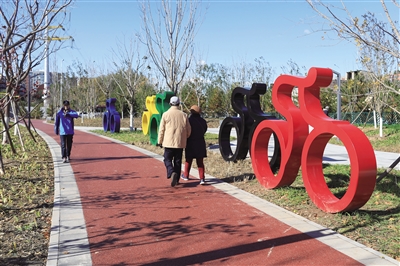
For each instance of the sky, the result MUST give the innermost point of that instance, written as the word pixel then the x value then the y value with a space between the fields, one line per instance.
pixel 230 32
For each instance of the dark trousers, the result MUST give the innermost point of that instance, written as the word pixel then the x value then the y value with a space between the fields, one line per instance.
pixel 66 145
pixel 173 161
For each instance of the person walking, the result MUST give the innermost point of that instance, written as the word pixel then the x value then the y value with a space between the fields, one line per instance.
pixel 64 126
pixel 172 135
pixel 196 144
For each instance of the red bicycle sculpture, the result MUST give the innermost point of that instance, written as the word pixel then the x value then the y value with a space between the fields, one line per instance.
pixel 301 148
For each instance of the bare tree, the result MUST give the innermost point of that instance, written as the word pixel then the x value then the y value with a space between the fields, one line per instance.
pixel 169 37
pixel 93 94
pixel 380 67
pixel 294 69
pixel 23 35
pixel 104 81
pixel 129 65
pixel 377 40
pixel 226 81
pixel 197 82
pixel 262 73
pixel 241 73
pixel 362 29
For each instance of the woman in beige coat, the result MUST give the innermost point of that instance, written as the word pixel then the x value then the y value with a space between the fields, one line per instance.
pixel 172 135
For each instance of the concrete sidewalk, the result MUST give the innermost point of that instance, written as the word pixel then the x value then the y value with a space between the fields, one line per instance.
pixel 86 204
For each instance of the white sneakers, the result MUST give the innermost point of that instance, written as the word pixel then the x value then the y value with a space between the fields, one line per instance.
pixel 184 177
pixel 202 181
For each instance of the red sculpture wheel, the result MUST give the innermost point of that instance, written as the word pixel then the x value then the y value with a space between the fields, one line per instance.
pixel 362 162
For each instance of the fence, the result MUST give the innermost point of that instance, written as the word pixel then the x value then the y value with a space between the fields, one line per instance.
pixel 389 118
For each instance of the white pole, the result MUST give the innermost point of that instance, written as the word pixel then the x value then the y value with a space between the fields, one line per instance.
pixel 46 73
pixel 339 97
pixel 61 87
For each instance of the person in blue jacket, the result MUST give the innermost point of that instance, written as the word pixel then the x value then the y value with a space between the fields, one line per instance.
pixel 64 127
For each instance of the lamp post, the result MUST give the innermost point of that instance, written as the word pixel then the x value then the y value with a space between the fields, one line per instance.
pixel 61 85
pixel 339 97
pixel 46 72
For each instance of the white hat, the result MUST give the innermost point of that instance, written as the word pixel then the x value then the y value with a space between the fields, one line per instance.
pixel 174 100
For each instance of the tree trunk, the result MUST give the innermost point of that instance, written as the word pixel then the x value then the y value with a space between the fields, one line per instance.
pixel 16 126
pixel 130 116
pixel 1 164
pixel 6 122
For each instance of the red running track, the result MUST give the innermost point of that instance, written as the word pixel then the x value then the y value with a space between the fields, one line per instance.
pixel 134 217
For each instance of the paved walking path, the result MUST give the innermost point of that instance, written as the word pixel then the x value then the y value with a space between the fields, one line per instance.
pixel 114 206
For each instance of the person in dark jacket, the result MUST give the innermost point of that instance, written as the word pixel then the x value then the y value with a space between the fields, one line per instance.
pixel 64 126
pixel 196 144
